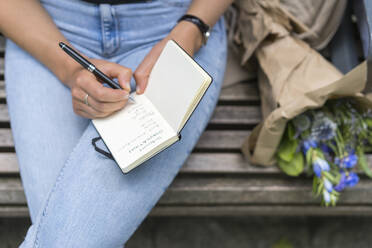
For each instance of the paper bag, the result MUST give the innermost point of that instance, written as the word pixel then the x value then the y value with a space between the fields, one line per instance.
pixel 299 79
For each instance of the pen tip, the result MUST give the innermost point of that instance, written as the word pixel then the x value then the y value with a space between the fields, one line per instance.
pixel 62 45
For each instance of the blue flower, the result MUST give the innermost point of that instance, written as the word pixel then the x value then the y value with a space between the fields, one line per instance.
pixel 342 183
pixel 325 148
pixel 320 165
pixel 327 151
pixel 323 129
pixel 326 196
pixel 307 144
pixel 352 179
pixel 327 185
pixel 347 180
pixel 348 161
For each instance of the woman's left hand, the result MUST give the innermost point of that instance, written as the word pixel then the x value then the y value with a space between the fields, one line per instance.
pixel 186 34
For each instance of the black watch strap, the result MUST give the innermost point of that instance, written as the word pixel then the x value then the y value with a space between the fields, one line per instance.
pixel 203 27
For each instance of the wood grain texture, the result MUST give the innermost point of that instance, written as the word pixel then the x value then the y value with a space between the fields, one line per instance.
pixel 197 163
pixel 230 210
pixel 222 139
pixel 242 115
pixel 6 138
pixel 221 191
pixel 260 210
pixel 237 93
pixel 223 115
pixel 8 163
pixel 1 66
pixel 210 139
pixel 2 89
pixel 245 91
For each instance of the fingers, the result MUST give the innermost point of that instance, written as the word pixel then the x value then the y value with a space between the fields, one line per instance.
pixel 142 73
pixel 102 100
pixel 82 108
pixel 88 111
pixel 98 106
pixel 123 74
pixel 88 83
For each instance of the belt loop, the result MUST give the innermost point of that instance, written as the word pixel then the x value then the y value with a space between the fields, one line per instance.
pixel 109 29
pixel 116 27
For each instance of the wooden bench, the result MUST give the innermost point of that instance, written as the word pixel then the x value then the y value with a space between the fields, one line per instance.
pixel 216 180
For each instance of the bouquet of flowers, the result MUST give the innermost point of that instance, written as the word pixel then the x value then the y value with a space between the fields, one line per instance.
pixel 329 143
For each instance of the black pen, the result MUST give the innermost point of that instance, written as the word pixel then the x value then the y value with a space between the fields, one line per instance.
pixel 90 67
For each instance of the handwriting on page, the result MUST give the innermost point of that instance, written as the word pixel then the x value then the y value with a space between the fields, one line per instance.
pixel 150 126
pixel 146 129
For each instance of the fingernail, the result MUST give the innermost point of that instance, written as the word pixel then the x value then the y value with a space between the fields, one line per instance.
pixel 138 89
pixel 127 85
pixel 126 96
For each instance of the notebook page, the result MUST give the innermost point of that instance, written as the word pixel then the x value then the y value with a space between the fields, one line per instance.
pixel 174 83
pixel 133 131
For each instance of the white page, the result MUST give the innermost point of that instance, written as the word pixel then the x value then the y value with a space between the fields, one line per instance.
pixel 174 83
pixel 133 131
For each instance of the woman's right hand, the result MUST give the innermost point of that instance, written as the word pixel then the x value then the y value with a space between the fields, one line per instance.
pixel 103 101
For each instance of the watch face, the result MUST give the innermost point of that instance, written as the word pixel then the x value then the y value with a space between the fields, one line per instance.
pixel 206 36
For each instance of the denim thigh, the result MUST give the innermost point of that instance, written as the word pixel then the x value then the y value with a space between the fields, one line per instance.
pixel 43 124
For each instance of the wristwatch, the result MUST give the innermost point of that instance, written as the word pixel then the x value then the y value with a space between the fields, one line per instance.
pixel 203 27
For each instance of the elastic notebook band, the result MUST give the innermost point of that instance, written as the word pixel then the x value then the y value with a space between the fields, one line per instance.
pixel 103 152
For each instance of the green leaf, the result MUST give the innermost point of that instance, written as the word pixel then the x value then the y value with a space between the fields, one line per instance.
pixel 309 156
pixel 369 122
pixel 334 198
pixel 287 149
pixel 293 168
pixel 330 177
pixel 333 147
pixel 319 189
pixel 315 184
pixel 362 161
pixel 291 131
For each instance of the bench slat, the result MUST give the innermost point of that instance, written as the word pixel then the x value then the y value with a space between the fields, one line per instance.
pixel 196 163
pixel 230 140
pixel 223 115
pixel 260 210
pixel 240 92
pixel 230 210
pixel 197 190
pixel 242 115
pixel 245 91
pixel 2 89
pixel 8 163
pixel 160 210
pixel 1 66
pixel 6 138
pixel 222 139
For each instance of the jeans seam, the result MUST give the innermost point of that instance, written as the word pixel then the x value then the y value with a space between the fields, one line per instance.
pixel 60 176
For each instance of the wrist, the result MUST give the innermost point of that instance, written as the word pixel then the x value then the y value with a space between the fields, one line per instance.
pixel 66 71
pixel 65 67
pixel 187 32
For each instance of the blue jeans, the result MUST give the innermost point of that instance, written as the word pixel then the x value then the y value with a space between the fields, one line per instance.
pixel 76 196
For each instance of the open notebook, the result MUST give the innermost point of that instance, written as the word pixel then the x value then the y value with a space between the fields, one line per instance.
pixel 142 129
